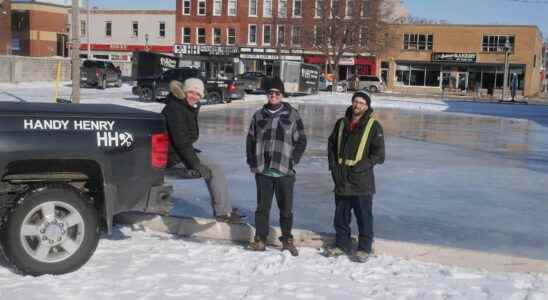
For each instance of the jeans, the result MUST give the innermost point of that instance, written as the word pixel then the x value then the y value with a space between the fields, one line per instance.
pixel 363 210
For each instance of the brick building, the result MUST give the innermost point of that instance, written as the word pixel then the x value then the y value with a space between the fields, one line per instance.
pixel 39 27
pixel 260 29
pixel 5 27
pixel 465 59
pixel 115 34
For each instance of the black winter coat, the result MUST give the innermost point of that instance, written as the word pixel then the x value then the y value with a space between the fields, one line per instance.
pixel 182 126
pixel 358 179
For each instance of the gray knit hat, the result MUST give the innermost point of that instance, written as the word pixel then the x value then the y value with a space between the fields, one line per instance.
pixel 364 95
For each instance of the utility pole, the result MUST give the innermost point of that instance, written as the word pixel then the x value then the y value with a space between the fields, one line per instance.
pixel 88 31
pixel 75 53
pixel 507 49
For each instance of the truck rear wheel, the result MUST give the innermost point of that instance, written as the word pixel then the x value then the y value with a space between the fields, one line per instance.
pixel 52 230
pixel 214 98
pixel 147 94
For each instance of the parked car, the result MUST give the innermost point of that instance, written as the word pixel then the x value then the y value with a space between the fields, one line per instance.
pixel 216 90
pixel 370 83
pixel 80 165
pixel 100 73
pixel 252 82
pixel 325 84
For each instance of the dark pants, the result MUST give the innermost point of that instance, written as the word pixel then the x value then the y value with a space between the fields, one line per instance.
pixel 267 187
pixel 363 210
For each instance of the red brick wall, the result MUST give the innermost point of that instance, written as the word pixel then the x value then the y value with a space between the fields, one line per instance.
pixel 46 22
pixel 5 27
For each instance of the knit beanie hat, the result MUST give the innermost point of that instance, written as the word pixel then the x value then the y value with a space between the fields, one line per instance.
pixel 194 84
pixel 364 95
pixel 273 83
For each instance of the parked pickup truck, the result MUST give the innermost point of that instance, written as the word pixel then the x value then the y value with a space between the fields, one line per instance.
pixel 217 91
pixel 100 73
pixel 66 170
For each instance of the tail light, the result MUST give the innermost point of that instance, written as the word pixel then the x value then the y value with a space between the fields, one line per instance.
pixel 97 73
pixel 232 87
pixel 159 150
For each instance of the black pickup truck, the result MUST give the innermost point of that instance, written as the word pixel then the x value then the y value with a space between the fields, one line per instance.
pixel 66 170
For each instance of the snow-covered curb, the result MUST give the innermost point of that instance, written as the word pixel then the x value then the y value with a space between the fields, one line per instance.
pixel 210 229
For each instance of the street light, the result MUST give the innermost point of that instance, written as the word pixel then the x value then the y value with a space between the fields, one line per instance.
pixel 507 48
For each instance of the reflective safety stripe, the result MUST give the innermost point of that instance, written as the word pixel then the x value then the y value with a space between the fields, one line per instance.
pixel 361 147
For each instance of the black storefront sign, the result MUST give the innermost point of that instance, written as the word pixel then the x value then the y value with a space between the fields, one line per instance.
pixel 454 57
pixel 213 50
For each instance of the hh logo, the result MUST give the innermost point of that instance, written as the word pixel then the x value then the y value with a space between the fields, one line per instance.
pixel 114 139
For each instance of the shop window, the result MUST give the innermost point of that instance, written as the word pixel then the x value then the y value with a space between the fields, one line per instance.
pixel 186 7
pixel 496 43
pixel 201 34
pixel 417 75
pixel 402 74
pixel 231 36
pixel 432 77
pixel 232 7
pixel 187 32
pixel 413 41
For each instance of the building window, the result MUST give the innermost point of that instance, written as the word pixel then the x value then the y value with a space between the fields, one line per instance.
pixel 364 37
pixel 496 43
pixel 252 38
pixel 266 34
pixel 186 7
pixel 349 8
pixel 267 8
pixel 320 8
pixel 281 35
pixel 296 36
pixel 135 29
pixel 231 36
pixel 297 8
pixel 252 8
pixel 282 8
pixel 83 28
pixel 201 34
pixel 317 35
pixel 366 8
pixel 418 75
pixel 201 8
pixel 187 34
pixel 162 29
pixel 217 7
pixel 217 36
pixel 335 5
pixel 413 41
pixel 232 7
pixel 108 28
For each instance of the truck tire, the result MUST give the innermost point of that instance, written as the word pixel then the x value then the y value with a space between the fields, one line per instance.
pixel 51 230
pixel 214 97
pixel 147 94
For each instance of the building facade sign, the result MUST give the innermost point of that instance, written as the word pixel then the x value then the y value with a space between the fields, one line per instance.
pixel 216 50
pixel 269 56
pixel 454 57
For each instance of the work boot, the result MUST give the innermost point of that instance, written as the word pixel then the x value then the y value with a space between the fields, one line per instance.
pixel 333 251
pixel 360 256
pixel 256 245
pixel 287 244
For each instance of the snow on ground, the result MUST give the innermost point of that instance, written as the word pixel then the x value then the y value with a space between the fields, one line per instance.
pixel 149 265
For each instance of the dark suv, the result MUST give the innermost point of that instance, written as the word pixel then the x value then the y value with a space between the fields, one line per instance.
pixel 100 73
pixel 252 81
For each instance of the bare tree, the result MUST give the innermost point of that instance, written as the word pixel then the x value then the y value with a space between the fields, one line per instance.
pixel 422 21
pixel 349 27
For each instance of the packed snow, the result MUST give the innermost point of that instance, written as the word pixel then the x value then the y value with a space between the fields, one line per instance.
pixel 505 147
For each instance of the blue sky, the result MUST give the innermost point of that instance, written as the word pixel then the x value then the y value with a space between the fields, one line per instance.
pixel 523 12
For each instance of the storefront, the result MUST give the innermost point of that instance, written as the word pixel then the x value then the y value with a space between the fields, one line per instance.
pixel 348 66
pixel 262 59
pixel 464 59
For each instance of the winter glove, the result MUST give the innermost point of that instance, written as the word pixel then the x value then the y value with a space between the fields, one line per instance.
pixel 204 171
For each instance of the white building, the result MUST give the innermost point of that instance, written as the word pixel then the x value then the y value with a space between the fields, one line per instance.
pixel 115 34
